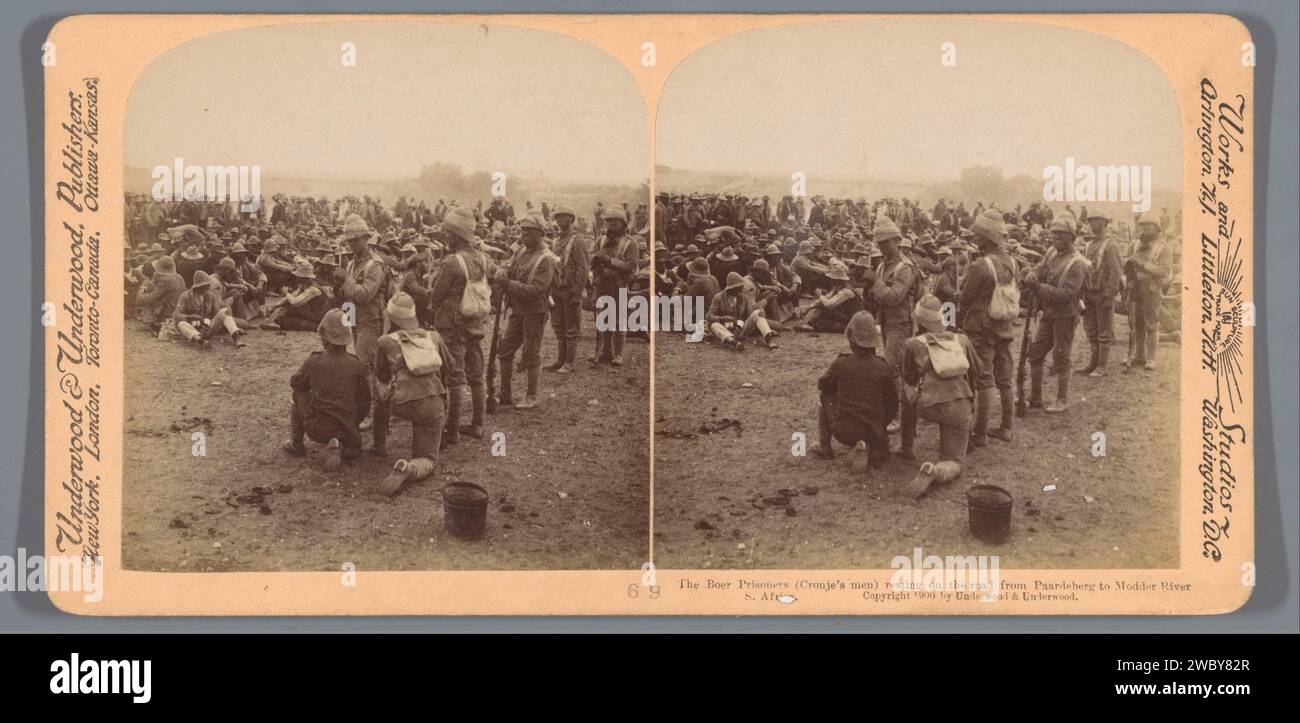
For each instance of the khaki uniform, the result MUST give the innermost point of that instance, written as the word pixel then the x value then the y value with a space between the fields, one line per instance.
pixel 331 395
pixel 571 282
pixel 1104 278
pixel 421 399
pixel 990 338
pixel 893 296
pixel 530 273
pixel 1061 277
pixel 858 398
pixel 463 337
pixel 1146 289
pixel 624 253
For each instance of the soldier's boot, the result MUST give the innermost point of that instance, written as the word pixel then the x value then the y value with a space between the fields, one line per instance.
pixel 1036 386
pixel 530 398
pixel 983 408
pixel 1103 356
pixel 379 431
pixel 1008 413
pixel 601 354
pixel 907 428
pixel 1092 359
pixel 478 405
pixel 404 471
pixel 570 355
pixel 617 341
pixel 562 352
pixel 333 455
pixel 451 424
pixel 505 395
pixel 807 324
pixel 1062 393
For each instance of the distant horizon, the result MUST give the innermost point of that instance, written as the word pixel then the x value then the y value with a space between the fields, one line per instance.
pixel 397 178
pixel 865 178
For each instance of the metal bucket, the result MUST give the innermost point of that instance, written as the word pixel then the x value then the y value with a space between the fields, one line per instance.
pixel 464 510
pixel 990 513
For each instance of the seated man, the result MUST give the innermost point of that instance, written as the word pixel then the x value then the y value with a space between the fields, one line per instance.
pixel 787 300
pixel 809 266
pixel 278 270
pixel 159 294
pixel 768 293
pixel 858 394
pixel 832 311
pixel 732 316
pixel 331 395
pixel 202 314
pixel 301 308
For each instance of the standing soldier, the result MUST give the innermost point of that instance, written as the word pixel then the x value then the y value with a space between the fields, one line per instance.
pixel 571 282
pixel 1104 277
pixel 1056 280
pixel 990 337
pixel 662 218
pixel 363 285
pixel 1148 271
pixel 598 224
pixel 526 283
pixel 616 262
pixel 892 286
pixel 462 334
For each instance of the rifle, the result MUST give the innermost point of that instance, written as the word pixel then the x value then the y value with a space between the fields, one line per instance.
pixel 491 402
pixel 1022 403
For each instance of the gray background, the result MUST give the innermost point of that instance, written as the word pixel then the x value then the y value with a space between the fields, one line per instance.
pixel 1272 608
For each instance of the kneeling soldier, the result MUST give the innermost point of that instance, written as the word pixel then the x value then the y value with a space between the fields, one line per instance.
pixel 858 394
pixel 331 395
pixel 410 363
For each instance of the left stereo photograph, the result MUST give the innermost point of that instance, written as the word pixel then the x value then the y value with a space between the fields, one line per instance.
pixel 362 268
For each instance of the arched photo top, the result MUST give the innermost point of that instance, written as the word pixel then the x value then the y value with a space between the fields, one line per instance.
pixel 915 99
pixel 380 99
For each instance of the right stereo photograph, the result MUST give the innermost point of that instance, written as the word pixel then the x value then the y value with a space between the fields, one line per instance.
pixel 935 271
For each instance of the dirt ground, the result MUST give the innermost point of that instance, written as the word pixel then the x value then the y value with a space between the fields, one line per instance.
pixel 723 454
pixel 571 491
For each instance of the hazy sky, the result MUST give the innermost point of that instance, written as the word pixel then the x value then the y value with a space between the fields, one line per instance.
pixel 871 97
pixel 503 99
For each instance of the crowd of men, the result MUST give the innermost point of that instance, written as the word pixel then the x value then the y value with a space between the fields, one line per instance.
pixel 928 300
pixel 414 292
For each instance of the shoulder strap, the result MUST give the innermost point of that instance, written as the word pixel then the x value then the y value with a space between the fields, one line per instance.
pixel 1074 257
pixel 992 269
pixel 538 262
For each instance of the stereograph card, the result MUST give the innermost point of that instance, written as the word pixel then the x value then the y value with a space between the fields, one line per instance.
pixel 649 314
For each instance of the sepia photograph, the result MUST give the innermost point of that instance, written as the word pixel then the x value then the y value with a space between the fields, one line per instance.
pixel 360 275
pixel 942 271
pixel 771 315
